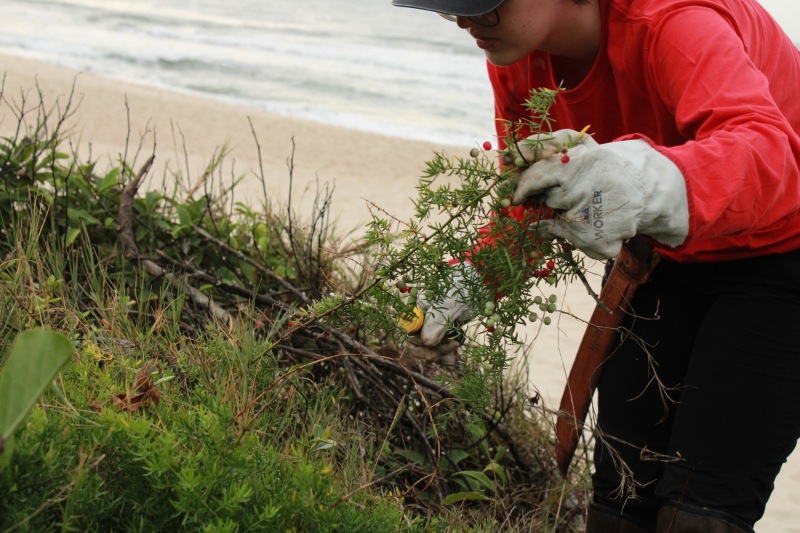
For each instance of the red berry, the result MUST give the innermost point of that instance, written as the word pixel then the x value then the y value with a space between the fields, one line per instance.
pixel 351 330
pixel 564 150
pixel 529 204
pixel 565 159
pixel 550 265
pixel 490 328
pixel 487 145
pixel 405 290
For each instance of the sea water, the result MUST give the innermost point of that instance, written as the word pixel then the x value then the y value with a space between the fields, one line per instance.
pixel 362 64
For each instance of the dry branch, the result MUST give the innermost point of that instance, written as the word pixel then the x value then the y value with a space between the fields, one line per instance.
pixel 132 250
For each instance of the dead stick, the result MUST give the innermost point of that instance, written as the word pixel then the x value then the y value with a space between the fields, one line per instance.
pixel 132 250
pixel 291 288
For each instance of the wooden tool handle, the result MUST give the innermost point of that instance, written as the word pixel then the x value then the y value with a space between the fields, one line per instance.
pixel 631 268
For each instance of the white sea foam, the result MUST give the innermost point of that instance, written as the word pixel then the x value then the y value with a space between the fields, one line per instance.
pixel 357 63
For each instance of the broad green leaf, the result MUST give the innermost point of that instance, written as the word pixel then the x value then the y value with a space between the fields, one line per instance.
pixel 184 215
pixel 260 230
pixel 36 357
pixel 249 272
pixel 87 169
pixel 72 234
pixel 411 455
pixel 457 455
pixel 6 450
pixel 323 444
pixel 109 180
pixel 78 215
pixel 282 271
pixel 152 199
pixel 477 430
pixel 478 477
pixel 227 275
pixel 498 470
pixel 501 452
pixel 458 497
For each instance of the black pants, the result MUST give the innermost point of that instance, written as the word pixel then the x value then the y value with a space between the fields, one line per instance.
pixel 701 400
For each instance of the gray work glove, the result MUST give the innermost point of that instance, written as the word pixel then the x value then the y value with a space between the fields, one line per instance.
pixel 454 309
pixel 607 193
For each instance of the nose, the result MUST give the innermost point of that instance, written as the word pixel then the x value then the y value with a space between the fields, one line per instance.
pixel 464 22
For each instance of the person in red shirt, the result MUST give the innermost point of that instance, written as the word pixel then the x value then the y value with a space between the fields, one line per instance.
pixel 694 117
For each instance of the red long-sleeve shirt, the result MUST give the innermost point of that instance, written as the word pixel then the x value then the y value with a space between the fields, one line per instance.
pixel 712 84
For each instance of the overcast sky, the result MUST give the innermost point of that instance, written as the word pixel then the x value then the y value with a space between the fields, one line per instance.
pixel 787 13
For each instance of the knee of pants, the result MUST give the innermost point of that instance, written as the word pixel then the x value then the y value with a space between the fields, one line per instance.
pixel 678 517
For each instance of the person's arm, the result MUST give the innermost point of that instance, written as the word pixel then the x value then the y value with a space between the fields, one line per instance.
pixel 734 181
pixel 741 164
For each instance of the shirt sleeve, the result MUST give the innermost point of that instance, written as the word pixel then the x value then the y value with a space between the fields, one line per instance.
pixel 741 161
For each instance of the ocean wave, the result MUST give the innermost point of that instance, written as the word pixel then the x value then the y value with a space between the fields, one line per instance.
pixel 354 63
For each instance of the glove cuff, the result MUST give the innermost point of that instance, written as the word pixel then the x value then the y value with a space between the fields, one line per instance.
pixel 665 216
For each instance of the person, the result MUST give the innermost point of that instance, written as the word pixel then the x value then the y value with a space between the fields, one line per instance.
pixel 694 117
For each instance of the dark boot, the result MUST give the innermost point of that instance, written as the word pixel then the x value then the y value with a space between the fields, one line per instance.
pixel 603 519
pixel 676 517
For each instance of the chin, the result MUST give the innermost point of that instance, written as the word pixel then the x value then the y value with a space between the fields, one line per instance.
pixel 503 60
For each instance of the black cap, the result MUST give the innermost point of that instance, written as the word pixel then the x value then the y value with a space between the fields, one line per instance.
pixel 461 8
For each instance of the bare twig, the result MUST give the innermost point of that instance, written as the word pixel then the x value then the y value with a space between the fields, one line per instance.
pixel 258 266
pixel 132 250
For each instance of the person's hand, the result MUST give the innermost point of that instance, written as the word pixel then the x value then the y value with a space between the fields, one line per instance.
pixel 453 309
pixel 606 194
pixel 545 145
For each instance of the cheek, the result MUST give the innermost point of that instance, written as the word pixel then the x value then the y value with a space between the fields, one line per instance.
pixel 525 36
pixel 525 40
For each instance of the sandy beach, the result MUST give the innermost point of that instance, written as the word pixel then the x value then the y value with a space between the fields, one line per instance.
pixel 187 130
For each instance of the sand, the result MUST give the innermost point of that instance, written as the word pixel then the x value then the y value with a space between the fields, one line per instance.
pixel 363 167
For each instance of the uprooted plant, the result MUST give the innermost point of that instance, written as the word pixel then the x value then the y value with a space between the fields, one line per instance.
pixel 456 196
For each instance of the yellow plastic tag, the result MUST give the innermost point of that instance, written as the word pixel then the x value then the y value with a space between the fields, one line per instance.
pixel 413 324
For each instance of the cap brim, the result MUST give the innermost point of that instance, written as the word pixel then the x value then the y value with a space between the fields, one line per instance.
pixel 461 8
